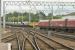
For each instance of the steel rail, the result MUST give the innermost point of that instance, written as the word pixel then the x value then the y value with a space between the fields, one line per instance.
pixel 51 39
pixel 34 46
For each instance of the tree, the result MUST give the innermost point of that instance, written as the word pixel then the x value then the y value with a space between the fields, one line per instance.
pixel 54 17
pixel 42 15
pixel 15 14
pixel 49 16
pixel 57 17
pixel 8 16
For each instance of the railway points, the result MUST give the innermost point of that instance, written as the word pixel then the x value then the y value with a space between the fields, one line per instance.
pixel 38 25
pixel 29 38
pixel 51 39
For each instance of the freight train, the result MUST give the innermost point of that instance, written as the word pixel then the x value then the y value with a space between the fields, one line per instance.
pixel 54 24
pixel 58 24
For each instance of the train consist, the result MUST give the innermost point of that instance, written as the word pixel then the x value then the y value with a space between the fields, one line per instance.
pixel 58 24
pixel 54 24
pixel 18 24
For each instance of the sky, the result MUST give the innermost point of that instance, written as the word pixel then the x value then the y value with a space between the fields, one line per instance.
pixel 56 10
pixel 45 0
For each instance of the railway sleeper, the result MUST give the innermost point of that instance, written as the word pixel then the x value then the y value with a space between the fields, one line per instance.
pixel 52 40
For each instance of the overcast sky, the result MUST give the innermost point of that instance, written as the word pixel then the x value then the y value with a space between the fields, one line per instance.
pixel 45 0
pixel 23 8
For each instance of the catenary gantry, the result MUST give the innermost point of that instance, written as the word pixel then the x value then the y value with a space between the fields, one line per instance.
pixel 39 3
pixel 34 4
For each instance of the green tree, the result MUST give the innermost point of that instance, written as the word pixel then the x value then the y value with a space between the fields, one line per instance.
pixel 9 15
pixel 49 16
pixel 57 17
pixel 15 14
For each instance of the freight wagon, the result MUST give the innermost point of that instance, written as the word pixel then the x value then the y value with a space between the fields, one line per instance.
pixel 58 24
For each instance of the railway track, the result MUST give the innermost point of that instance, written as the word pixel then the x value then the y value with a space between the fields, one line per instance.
pixel 32 40
pixel 51 43
pixel 40 45
pixel 45 37
pixel 43 45
pixel 23 42
pixel 28 46
pixel 29 39
pixel 64 35
pixel 26 37
pixel 69 37
pixel 20 42
pixel 8 38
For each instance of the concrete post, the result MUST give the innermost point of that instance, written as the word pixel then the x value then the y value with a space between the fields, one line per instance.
pixel 29 12
pixel 18 18
pixel 49 33
pixel 29 16
pixel 0 22
pixel 22 17
pixel 4 15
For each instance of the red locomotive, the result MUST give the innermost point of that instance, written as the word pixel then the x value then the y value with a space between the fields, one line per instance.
pixel 58 24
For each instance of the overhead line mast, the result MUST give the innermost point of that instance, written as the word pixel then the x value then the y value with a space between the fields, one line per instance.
pixel 0 22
